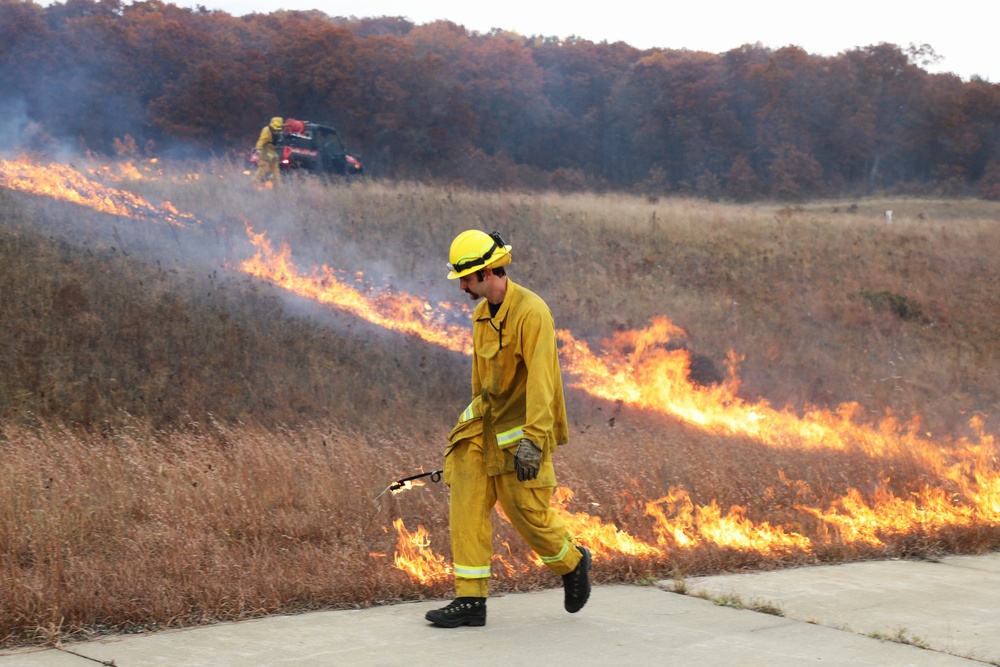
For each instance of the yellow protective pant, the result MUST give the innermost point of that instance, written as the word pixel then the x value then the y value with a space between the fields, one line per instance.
pixel 473 496
pixel 267 166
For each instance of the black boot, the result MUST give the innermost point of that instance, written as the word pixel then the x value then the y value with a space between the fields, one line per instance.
pixel 461 611
pixel 577 584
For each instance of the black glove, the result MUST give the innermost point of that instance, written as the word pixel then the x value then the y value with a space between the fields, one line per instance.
pixel 527 460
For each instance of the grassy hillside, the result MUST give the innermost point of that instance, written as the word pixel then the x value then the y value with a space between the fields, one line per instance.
pixel 827 303
pixel 189 444
pixel 109 322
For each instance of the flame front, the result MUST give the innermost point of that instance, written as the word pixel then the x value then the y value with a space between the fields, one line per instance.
pixel 396 311
pixel 643 368
pixel 65 183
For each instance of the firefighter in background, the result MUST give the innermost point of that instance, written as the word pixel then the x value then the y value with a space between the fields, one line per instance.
pixel 267 154
pixel 501 449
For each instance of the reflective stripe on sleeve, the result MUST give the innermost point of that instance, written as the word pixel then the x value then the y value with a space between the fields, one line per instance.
pixel 467 414
pixel 510 437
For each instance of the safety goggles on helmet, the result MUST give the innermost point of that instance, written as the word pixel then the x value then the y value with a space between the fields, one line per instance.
pixel 460 267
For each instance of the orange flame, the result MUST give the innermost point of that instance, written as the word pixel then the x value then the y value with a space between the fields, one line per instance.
pixel 65 183
pixel 599 536
pixel 414 556
pixel 694 525
pixel 146 170
pixel 395 311
pixel 120 171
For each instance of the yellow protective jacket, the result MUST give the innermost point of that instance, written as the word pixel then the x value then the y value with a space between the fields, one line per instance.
pixel 516 382
pixel 265 144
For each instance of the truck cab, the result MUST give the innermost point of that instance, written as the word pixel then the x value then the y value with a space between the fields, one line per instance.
pixel 317 148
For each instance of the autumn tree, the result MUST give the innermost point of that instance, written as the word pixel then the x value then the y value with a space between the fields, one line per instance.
pixel 741 183
pixel 88 91
pixel 22 30
pixel 415 119
pixel 989 184
pixel 579 79
pixel 212 103
pixel 794 174
pixel 310 65
pixel 981 102
pixel 673 112
pixel 882 100
pixel 438 101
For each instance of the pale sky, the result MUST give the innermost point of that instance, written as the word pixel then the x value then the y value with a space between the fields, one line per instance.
pixel 962 32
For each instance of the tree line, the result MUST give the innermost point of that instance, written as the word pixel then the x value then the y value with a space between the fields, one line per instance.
pixel 437 101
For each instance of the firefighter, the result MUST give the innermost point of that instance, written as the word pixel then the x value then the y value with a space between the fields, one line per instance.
pixel 267 154
pixel 502 447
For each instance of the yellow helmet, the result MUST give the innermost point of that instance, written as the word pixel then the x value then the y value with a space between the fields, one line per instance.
pixel 277 123
pixel 473 250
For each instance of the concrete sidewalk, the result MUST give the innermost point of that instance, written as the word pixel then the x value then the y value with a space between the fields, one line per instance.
pixel 877 614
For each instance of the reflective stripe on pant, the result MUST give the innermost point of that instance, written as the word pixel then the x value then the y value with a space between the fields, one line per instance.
pixel 473 495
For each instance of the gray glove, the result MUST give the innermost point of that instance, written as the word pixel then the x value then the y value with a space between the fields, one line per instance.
pixel 527 460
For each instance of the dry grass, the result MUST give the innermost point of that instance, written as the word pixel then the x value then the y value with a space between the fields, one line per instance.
pixel 138 529
pixel 183 445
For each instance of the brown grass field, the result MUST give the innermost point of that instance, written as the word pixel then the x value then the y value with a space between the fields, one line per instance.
pixel 182 443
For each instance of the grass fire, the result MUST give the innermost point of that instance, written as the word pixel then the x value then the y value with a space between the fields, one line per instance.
pixel 202 409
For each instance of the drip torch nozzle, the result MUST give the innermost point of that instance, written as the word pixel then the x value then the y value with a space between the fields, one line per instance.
pixel 435 476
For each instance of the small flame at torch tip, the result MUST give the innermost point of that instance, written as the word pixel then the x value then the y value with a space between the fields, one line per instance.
pixel 407 485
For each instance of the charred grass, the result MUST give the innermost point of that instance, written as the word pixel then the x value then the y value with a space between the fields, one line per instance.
pixel 181 444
